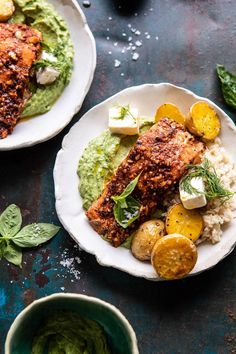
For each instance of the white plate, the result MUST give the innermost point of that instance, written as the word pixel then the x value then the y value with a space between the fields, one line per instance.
pixel 68 201
pixel 46 126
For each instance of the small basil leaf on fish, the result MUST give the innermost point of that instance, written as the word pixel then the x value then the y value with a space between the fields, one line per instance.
pixel 228 85
pixel 35 234
pixel 127 191
pixel 10 221
pixel 126 216
pixel 12 254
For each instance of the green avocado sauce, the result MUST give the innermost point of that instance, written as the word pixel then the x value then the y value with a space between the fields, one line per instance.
pixel 69 333
pixel 100 159
pixel 56 40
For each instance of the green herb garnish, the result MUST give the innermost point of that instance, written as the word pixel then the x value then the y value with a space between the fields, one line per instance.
pixel 213 186
pixel 124 111
pixel 13 238
pixel 228 85
pixel 127 208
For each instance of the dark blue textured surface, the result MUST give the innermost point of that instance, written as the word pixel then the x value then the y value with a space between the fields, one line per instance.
pixel 196 315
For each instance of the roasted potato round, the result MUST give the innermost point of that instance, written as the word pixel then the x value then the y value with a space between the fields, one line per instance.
pixel 185 222
pixel 174 256
pixel 171 111
pixel 145 239
pixel 6 9
pixel 203 121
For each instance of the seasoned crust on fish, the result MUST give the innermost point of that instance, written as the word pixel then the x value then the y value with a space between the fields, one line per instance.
pixel 161 156
pixel 19 48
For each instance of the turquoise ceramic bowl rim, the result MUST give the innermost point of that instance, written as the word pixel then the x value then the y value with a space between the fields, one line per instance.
pixel 95 300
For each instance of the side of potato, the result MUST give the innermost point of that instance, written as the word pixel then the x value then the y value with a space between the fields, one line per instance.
pixel 203 121
pixel 6 10
pixel 145 238
pixel 171 111
pixel 185 222
pixel 174 256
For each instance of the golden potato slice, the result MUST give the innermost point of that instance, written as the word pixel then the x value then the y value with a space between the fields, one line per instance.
pixel 6 9
pixel 174 256
pixel 203 121
pixel 145 238
pixel 185 222
pixel 171 111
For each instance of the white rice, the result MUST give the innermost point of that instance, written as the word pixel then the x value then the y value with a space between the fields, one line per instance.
pixel 215 214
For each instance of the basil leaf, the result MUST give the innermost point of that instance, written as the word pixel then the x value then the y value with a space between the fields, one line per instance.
pixel 228 85
pixel 34 234
pixel 126 216
pixel 10 221
pixel 13 254
pixel 128 242
pixel 127 191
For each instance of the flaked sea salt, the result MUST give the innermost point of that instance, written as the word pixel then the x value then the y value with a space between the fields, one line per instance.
pixel 130 39
pixel 115 44
pixel 137 33
pixel 116 63
pixel 148 36
pixel 138 43
pixel 135 56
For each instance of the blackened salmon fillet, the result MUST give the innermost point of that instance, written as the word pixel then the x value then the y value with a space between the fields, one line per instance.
pixel 19 48
pixel 161 156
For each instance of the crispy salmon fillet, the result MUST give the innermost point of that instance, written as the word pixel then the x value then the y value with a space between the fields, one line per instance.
pixel 161 156
pixel 19 48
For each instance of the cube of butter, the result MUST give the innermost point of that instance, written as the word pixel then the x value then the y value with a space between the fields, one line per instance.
pixel 128 125
pixel 194 200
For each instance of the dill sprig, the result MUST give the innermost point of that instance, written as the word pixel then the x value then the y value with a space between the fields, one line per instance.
pixel 124 111
pixel 214 187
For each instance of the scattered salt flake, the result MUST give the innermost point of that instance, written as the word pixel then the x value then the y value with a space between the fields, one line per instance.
pixel 151 9
pixel 124 34
pixel 138 43
pixel 135 56
pixel 109 18
pixel 109 52
pixel 108 38
pixel 116 63
pixel 137 33
pixel 156 38
pixel 122 74
pixel 78 260
pixel 148 36
pixel 136 14
pixel 133 30
pixel 130 39
pixel 149 63
pixel 123 50
pixel 133 47
pixel 62 288
pixel 129 25
pixel 108 29
pixel 115 44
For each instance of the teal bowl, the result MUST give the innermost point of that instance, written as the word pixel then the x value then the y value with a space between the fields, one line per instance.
pixel 120 335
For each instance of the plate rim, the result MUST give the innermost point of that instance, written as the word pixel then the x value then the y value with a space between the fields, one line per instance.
pixel 228 121
pixel 76 109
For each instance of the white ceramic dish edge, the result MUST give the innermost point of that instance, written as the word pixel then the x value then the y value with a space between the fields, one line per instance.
pixel 77 107
pixel 95 300
pixel 108 262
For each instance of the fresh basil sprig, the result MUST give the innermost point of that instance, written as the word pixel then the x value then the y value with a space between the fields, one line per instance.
pixel 12 239
pixel 228 85
pixel 126 209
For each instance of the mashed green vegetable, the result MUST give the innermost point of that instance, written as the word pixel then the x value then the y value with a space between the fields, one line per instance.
pixel 56 41
pixel 69 333
pixel 99 160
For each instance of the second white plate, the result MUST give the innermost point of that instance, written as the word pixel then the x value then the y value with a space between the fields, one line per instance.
pixel 44 127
